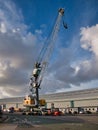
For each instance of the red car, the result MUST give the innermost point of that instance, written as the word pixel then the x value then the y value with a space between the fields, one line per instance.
pixel 56 112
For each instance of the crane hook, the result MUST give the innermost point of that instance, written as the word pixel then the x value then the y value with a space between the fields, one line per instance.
pixel 65 25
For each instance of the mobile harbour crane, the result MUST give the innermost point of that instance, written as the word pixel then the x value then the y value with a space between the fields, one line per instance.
pixel 32 100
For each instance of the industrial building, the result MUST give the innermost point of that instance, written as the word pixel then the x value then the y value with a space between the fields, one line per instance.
pixel 87 99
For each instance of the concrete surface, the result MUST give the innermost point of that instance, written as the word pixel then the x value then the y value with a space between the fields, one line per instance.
pixel 68 123
pixel 14 127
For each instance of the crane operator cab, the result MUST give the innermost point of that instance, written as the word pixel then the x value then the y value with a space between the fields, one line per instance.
pixel 36 70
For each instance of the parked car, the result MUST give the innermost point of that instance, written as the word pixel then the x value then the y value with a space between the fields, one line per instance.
pixel 11 109
pixel 88 112
pixel 1 113
pixel 81 112
pixel 57 113
pixel 37 112
pixel 46 111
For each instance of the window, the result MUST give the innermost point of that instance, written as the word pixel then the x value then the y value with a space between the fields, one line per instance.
pixel 4 106
pixel 72 103
pixel 16 105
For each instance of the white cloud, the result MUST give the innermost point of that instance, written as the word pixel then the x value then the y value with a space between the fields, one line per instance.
pixel 2 28
pixel 76 73
pixel 38 31
pixel 11 17
pixel 13 91
pixel 89 39
pixel 3 93
pixel 17 51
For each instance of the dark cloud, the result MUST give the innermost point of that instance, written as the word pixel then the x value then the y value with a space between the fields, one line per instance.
pixel 52 85
pixel 13 77
pixel 72 70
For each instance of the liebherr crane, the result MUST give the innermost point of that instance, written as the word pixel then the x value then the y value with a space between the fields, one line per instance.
pixel 41 65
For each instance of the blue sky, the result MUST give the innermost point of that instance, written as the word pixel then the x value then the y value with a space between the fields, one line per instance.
pixel 24 26
pixel 78 13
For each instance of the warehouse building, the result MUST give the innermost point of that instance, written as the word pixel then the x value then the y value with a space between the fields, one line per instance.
pixel 69 101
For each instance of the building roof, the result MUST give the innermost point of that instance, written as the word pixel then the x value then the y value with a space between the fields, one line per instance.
pixel 81 94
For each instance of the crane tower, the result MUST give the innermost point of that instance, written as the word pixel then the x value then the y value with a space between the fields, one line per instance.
pixel 41 64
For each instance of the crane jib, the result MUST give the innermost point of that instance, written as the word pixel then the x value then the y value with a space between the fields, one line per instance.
pixel 49 43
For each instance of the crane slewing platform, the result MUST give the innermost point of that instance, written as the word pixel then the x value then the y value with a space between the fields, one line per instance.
pixel 41 64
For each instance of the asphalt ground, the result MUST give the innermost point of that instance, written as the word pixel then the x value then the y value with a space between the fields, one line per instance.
pixel 83 122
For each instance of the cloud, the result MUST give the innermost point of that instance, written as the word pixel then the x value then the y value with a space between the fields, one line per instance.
pixel 89 39
pixel 10 15
pixel 13 91
pixel 71 71
pixel 38 31
pixel 51 84
pixel 17 51
pixel 2 28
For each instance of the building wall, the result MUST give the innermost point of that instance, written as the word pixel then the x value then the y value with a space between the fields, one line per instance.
pixel 93 109
pixel 76 103
pixel 8 105
pixel 58 104
pixel 86 102
pixel 60 100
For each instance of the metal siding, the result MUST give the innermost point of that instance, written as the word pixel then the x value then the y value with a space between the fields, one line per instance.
pixel 62 100
pixel 90 102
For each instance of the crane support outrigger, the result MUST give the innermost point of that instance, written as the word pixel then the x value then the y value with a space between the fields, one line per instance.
pixel 41 64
